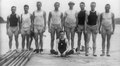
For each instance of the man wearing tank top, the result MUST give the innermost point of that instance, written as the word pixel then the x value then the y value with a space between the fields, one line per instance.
pixel 39 22
pixel 62 46
pixel 107 27
pixel 92 28
pixel 26 20
pixel 55 24
pixel 13 25
pixel 81 25
pixel 70 20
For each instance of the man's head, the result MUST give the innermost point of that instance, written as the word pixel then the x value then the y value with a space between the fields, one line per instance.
pixel 62 33
pixel 82 5
pixel 71 4
pixel 26 8
pixel 107 7
pixel 56 5
pixel 93 5
pixel 13 9
pixel 39 5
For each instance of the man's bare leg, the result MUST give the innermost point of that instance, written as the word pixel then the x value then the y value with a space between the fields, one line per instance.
pixel 87 44
pixel 103 44
pixel 10 43
pixel 41 42
pixel 108 44
pixel 94 35
pixel 23 42
pixel 79 41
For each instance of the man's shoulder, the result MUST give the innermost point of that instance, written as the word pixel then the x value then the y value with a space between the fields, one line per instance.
pixel 17 16
pixel 66 39
pixel 8 16
pixel 97 13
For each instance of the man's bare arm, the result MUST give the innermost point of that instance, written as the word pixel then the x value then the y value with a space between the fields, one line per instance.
pixel 19 23
pixel 44 20
pixel 113 22
pixel 49 18
pixel 86 20
pixel 76 19
pixel 8 22
pixel 100 21
pixel 62 20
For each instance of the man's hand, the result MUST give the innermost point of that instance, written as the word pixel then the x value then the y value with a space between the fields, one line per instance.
pixel 85 31
pixel 100 31
pixel 59 54
pixel 44 29
pixel 19 31
pixel 76 29
pixel 49 30
pixel 97 31
pixel 112 32
pixel 64 53
pixel 7 31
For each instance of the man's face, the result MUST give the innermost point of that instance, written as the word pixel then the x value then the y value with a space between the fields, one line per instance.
pixel 71 5
pixel 26 8
pixel 39 4
pixel 93 5
pixel 62 35
pixel 57 5
pixel 13 9
pixel 107 7
pixel 82 6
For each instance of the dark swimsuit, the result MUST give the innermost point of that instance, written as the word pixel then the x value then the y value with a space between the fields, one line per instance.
pixel 92 18
pixel 81 17
pixel 13 20
pixel 62 46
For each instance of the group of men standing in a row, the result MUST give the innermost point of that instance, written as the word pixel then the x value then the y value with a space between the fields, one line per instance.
pixel 87 23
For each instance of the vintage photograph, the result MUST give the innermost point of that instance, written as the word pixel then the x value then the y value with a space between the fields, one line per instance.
pixel 59 32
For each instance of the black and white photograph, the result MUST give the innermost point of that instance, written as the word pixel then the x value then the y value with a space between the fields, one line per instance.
pixel 59 32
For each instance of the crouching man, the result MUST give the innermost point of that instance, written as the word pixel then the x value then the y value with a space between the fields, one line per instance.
pixel 62 46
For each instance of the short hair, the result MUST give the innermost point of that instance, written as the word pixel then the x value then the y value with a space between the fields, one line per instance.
pixel 13 7
pixel 26 6
pixel 39 2
pixel 82 3
pixel 107 4
pixel 93 2
pixel 72 3
pixel 56 3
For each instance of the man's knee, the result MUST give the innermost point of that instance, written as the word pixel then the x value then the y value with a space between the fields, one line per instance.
pixel 41 38
pixel 52 39
pixel 10 38
pixel 72 39
pixel 94 40
pixel 36 38
pixel 16 36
